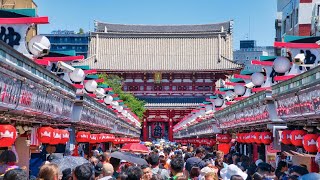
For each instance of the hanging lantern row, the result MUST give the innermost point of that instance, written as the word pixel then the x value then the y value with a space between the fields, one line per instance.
pixel 300 138
pixel 48 135
pixel 87 137
pixel 255 137
pixel 197 141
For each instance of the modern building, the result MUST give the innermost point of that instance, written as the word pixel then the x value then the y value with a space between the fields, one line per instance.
pixel 172 67
pixel 69 40
pixel 297 18
pixel 249 51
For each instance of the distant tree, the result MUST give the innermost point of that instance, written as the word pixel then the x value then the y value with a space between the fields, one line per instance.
pixel 137 106
pixel 81 31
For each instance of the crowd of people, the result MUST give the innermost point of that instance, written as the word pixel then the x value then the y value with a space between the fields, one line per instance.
pixel 163 163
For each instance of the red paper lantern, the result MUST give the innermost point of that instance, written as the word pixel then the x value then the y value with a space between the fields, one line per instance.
pixel 257 138
pixel 224 148
pixel 285 137
pixel 8 135
pixel 94 138
pixel 241 138
pixel 45 134
pixel 83 136
pixel 223 138
pixel 318 144
pixel 266 138
pixel 65 135
pixel 246 138
pixel 296 137
pixel 251 139
pixel 310 142
pixel 56 138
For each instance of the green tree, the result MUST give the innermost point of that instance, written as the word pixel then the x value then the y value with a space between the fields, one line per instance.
pixel 115 82
pixel 81 31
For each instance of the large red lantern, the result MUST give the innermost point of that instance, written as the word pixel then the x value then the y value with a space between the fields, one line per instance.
pixel 251 139
pixel 83 136
pixel 318 144
pixel 8 135
pixel 247 138
pixel 225 148
pixel 65 135
pixel 56 138
pixel 296 137
pixel 94 138
pixel 266 138
pixel 256 137
pixel 241 140
pixel 45 134
pixel 285 137
pixel 223 138
pixel 310 142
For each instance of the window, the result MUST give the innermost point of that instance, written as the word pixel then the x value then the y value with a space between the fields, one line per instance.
pixel 247 58
pixel 284 27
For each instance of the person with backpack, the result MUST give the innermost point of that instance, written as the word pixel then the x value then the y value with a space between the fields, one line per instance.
pixel 156 170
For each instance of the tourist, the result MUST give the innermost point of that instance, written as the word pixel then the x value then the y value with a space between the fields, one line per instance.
pixel 83 172
pixel 7 161
pixel 104 158
pixel 298 171
pixel 210 176
pixel 147 173
pixel 49 172
pixel 94 160
pixel 231 170
pixel 154 162
pixel 116 164
pixel 134 173
pixel 176 168
pixel 67 174
pixel 281 169
pixel 197 160
pixel 98 170
pixel 15 174
pixel 107 171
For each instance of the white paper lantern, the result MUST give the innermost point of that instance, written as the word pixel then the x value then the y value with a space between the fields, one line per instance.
pixel 120 108
pixel 230 95
pixel 108 99
pixel 115 103
pixel 257 78
pixel 100 92
pixel 91 85
pixel 281 64
pixel 218 102
pixel 239 90
pixel 77 75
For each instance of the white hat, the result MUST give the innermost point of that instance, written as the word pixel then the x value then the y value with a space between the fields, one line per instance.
pixel 258 162
pixel 161 154
pixel 123 161
pixel 231 170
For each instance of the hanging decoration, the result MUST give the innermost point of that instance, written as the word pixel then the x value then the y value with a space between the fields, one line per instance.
pixel 7 135
pixel 266 138
pixel 82 136
pixel 296 137
pixel 285 137
pixel 309 142
pixel 45 134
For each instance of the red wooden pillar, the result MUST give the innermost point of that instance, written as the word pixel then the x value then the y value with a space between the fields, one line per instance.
pixel 170 130
pixel 145 130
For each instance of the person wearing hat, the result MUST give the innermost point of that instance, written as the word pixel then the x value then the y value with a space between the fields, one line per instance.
pixel 67 174
pixel 98 170
pixel 227 172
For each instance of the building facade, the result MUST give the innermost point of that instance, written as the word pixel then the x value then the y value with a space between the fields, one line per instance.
pixel 249 52
pixel 172 67
pixel 68 41
pixel 297 18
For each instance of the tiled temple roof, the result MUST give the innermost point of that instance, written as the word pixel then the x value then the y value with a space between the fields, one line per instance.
pixel 134 28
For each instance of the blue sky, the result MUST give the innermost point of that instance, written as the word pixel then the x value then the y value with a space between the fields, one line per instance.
pixel 75 14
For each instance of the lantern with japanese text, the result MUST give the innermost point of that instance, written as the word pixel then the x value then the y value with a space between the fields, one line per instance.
pixel 285 137
pixel 8 135
pixel 224 147
pixel 247 139
pixel 252 135
pixel 296 137
pixel 241 140
pixel 45 134
pixel 56 138
pixel 65 135
pixel 266 138
pixel 309 142
pixel 223 138
pixel 94 138
pixel 83 136
pixel 256 137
